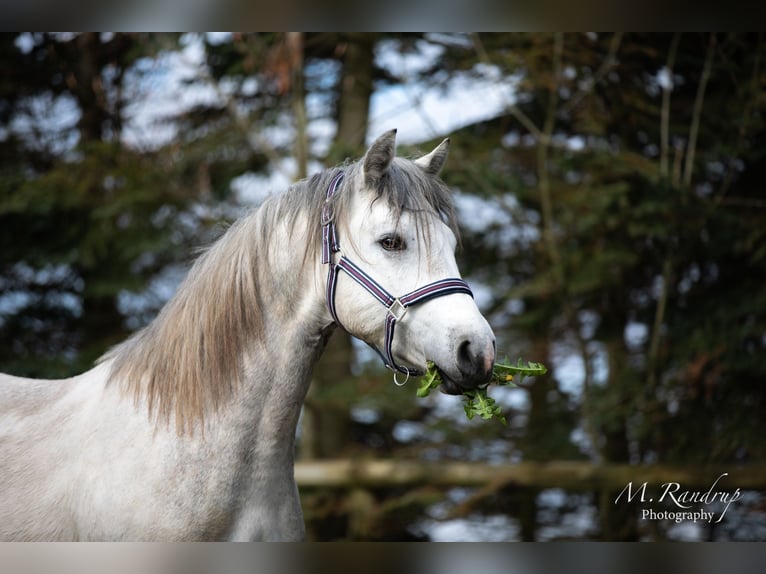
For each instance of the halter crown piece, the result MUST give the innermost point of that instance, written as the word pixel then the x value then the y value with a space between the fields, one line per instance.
pixel 396 306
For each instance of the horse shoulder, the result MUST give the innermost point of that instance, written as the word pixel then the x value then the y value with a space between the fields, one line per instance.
pixel 33 456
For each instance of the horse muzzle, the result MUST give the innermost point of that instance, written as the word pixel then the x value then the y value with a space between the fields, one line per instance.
pixel 474 363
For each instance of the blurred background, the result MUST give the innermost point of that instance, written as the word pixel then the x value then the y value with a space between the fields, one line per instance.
pixel 614 228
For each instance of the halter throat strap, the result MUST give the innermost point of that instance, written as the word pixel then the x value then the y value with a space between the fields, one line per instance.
pixel 396 307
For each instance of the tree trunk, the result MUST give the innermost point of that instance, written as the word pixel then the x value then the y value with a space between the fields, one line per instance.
pixel 538 423
pixel 326 428
pixel 618 522
pixel 101 323
pixel 87 85
pixel 354 91
pixel 294 42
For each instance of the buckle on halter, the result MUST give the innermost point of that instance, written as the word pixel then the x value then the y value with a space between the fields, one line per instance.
pixel 397 310
pixel 327 212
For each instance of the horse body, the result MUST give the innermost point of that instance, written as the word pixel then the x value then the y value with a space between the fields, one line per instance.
pixel 187 430
pixel 140 484
pixel 82 462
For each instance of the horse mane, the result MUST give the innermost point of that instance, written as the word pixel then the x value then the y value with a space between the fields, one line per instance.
pixel 189 360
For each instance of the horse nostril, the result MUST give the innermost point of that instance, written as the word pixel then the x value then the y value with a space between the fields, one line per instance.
pixel 475 367
pixel 464 356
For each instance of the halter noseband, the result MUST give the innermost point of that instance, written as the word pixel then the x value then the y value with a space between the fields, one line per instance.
pixel 396 306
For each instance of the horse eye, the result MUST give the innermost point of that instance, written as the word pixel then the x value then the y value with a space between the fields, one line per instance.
pixel 393 243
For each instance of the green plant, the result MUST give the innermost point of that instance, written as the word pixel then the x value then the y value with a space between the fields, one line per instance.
pixel 478 402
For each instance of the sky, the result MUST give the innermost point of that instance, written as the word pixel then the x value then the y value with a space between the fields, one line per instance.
pixel 417 111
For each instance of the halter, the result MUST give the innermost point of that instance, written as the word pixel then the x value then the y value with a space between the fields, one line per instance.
pixel 396 307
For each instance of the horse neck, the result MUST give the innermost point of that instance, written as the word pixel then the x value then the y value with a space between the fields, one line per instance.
pixel 295 326
pixel 278 367
pixel 236 344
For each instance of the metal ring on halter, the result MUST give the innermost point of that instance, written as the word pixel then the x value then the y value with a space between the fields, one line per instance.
pixel 404 382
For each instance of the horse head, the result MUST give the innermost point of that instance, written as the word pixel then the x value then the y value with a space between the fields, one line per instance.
pixel 396 238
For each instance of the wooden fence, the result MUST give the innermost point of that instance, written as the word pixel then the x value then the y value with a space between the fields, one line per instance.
pixel 568 475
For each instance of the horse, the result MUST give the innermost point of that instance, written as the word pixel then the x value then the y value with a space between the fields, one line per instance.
pixel 187 430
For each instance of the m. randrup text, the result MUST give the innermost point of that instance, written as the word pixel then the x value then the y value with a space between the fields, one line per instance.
pixel 674 494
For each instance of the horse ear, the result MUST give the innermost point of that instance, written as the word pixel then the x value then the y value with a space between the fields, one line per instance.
pixel 433 162
pixel 379 157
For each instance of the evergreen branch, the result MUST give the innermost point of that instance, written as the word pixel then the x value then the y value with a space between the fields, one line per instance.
pixel 697 112
pixel 665 110
pixel 745 124
pixel 513 109
pixel 609 62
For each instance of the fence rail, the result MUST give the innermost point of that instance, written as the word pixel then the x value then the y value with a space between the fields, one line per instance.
pixel 569 475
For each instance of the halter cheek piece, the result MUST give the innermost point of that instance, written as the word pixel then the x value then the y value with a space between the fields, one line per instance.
pixel 396 306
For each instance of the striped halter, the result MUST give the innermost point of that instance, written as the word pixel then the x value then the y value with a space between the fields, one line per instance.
pixel 396 306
